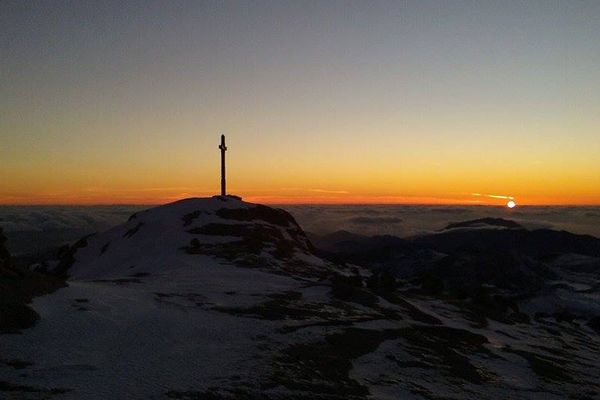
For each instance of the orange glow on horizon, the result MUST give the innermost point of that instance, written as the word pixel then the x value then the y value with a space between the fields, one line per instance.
pixel 315 108
pixel 340 198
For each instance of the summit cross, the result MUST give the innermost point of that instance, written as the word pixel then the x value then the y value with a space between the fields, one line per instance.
pixel 223 149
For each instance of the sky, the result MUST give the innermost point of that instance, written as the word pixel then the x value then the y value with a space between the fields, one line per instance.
pixel 443 102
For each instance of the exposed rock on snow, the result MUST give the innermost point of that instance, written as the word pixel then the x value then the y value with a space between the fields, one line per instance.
pixel 167 237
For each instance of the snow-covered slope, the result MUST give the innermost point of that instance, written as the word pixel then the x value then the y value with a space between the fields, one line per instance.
pixel 171 237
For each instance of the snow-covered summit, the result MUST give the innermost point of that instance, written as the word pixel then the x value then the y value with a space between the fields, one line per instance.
pixel 178 235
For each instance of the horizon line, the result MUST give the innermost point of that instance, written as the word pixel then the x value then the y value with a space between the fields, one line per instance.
pixel 456 204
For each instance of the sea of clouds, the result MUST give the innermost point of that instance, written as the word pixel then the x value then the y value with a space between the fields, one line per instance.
pixel 37 228
pixel 32 229
pixel 410 220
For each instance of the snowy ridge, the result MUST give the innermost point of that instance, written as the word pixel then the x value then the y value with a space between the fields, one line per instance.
pixel 170 236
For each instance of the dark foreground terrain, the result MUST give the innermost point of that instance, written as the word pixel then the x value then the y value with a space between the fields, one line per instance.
pixel 18 286
pixel 221 299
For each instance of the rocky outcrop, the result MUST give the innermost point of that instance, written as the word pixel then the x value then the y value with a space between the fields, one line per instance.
pixel 17 289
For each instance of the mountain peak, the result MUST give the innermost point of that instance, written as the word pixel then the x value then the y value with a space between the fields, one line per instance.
pixel 183 234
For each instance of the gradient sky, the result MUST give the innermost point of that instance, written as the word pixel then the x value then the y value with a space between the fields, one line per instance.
pixel 326 102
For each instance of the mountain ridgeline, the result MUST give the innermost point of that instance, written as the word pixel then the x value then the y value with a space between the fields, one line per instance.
pixel 490 255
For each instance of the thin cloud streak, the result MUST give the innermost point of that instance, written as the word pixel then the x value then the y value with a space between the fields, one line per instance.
pixel 493 196
pixel 328 191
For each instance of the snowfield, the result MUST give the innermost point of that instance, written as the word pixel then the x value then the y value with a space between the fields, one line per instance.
pixel 138 340
pixel 220 299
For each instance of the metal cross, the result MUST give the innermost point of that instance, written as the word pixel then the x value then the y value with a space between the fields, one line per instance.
pixel 223 149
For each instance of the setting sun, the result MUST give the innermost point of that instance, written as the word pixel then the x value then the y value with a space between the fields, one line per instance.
pixel 511 204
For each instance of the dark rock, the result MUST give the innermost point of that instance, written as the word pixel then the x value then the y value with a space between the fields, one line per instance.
pixel 17 287
pixel 133 230
pixel 469 271
pixel 66 256
pixel 270 215
pixel 16 316
pixel 594 323
pixel 4 254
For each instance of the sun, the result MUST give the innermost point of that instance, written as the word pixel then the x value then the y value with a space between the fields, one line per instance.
pixel 511 204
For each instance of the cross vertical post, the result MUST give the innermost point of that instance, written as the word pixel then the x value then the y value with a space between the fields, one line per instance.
pixel 223 149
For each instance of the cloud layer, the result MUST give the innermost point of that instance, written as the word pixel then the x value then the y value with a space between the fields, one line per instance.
pixel 409 220
pixel 36 228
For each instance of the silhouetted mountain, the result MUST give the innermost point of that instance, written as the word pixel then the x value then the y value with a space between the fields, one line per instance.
pixel 536 243
pixel 465 256
pixel 377 246
pixel 486 223
pixel 400 257
pixel 336 241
